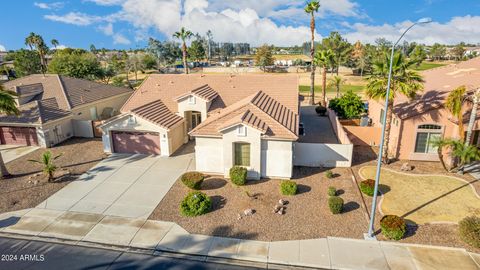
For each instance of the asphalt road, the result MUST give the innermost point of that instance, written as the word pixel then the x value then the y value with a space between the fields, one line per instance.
pixel 25 254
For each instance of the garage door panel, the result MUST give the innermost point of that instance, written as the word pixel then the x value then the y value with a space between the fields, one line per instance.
pixel 136 142
pixel 18 136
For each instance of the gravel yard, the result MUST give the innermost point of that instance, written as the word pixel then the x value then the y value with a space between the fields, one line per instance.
pixel 306 216
pixel 27 187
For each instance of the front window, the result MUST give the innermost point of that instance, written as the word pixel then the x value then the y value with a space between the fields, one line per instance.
pixel 426 136
pixel 242 154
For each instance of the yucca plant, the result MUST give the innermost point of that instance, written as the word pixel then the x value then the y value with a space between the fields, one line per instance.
pixel 46 161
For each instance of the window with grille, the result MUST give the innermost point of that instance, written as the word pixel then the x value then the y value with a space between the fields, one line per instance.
pixel 242 154
pixel 426 136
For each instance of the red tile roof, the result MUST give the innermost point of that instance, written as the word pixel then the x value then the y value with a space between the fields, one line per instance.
pixel 156 112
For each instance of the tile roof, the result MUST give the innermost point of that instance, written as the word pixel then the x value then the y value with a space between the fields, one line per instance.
pixel 156 112
pixel 248 118
pixel 439 82
pixel 205 92
pixel 55 95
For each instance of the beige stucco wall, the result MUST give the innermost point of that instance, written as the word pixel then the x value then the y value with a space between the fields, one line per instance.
pixel 200 105
pixel 277 159
pixel 55 132
pixel 176 138
pixel 83 112
pixel 209 155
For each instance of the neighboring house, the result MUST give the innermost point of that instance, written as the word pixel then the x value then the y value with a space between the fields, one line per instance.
pixel 247 120
pixel 54 108
pixel 416 124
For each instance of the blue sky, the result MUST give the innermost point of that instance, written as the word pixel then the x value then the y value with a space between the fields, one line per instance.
pixel 128 23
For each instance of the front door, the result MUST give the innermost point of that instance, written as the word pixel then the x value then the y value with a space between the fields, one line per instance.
pixel 196 119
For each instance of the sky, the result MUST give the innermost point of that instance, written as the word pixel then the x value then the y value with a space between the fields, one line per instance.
pixel 125 24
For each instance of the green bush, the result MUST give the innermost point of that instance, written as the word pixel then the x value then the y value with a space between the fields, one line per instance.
pixel 332 191
pixel 238 175
pixel 335 204
pixel 192 180
pixel 469 229
pixel 329 174
pixel 288 187
pixel 321 110
pixel 348 106
pixel 393 227
pixel 195 203
pixel 368 187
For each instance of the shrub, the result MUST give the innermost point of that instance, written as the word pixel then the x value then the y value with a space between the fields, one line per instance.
pixel 321 110
pixel 195 203
pixel 335 204
pixel 332 191
pixel 469 229
pixel 238 175
pixel 288 187
pixel 192 180
pixel 393 227
pixel 329 174
pixel 349 105
pixel 368 187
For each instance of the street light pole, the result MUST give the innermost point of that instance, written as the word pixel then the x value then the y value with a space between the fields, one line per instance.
pixel 371 228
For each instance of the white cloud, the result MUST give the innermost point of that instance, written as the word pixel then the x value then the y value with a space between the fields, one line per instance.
pixel 107 29
pixel 76 18
pixel 61 47
pixel 54 5
pixel 2 48
pixel 452 32
pixel 105 2
pixel 120 39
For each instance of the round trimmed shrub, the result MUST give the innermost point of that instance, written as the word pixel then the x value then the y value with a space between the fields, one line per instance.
pixel 238 175
pixel 329 174
pixel 288 187
pixel 469 229
pixel 368 187
pixel 393 227
pixel 196 203
pixel 192 180
pixel 332 191
pixel 335 204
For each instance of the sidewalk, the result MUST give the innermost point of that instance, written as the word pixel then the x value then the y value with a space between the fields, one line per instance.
pixel 158 237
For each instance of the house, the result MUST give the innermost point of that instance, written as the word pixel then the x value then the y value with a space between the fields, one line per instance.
pixel 416 124
pixel 249 120
pixel 54 108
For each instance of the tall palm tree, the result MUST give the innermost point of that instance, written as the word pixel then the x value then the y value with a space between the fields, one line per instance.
pixel 405 81
pixel 473 115
pixel 311 8
pixel 54 43
pixel 7 106
pixel 454 105
pixel 325 59
pixel 184 35
pixel 36 41
pixel 336 81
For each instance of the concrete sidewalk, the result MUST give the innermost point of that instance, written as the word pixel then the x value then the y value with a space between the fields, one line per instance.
pixel 160 237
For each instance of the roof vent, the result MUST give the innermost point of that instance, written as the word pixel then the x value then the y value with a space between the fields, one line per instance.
pixel 171 82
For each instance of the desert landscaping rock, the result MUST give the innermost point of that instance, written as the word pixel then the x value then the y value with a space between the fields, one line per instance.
pixel 248 212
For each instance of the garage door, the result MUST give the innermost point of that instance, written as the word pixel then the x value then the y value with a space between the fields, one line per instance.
pixel 136 142
pixel 18 135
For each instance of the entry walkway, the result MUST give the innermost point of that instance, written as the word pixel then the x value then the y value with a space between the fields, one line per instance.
pixel 158 237
pixel 318 129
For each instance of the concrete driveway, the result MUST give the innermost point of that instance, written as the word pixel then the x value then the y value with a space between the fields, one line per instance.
pixel 122 185
pixel 12 152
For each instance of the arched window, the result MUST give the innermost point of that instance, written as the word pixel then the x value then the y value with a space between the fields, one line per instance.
pixel 427 134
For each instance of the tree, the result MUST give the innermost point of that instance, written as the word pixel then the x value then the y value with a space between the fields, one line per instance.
pixel 93 49
pixel 149 61
pixel 264 57
pixel 26 62
pixel 473 115
pixel 46 161
pixel 349 105
pixel 36 42
pixel 135 64
pixel 405 81
pixel 340 48
pixel 325 59
pixel 184 35
pixel 75 63
pixel 196 51
pixel 311 8
pixel 459 51
pixel 359 57
pixel 166 52
pixel 465 153
pixel 8 106
pixel 441 144
pixel 437 51
pixel 419 54
pixel 454 104
pixel 336 81
pixel 54 43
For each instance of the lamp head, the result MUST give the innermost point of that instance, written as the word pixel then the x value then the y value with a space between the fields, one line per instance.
pixel 424 20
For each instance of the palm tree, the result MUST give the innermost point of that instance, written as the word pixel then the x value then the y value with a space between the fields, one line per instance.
pixel 36 41
pixel 405 81
pixel 440 144
pixel 54 43
pixel 473 115
pixel 49 167
pixel 336 81
pixel 183 35
pixel 7 106
pixel 465 153
pixel 311 8
pixel 454 105
pixel 324 58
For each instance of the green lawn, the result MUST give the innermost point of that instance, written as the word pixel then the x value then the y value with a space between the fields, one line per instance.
pixel 358 89
pixel 427 65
